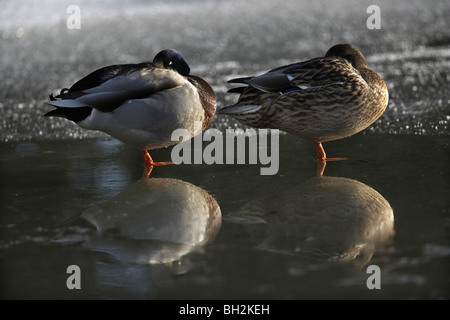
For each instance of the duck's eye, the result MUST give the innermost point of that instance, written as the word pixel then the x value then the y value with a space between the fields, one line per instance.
pixel 170 63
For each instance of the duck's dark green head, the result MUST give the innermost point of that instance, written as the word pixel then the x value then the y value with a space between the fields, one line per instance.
pixel 350 53
pixel 172 59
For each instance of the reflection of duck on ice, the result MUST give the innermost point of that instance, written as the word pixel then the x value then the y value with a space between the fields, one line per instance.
pixel 155 220
pixel 327 218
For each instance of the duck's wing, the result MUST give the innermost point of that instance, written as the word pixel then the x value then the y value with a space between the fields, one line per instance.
pixel 274 80
pixel 300 86
pixel 321 72
pixel 107 88
pixel 299 76
pixel 271 81
pixel 327 86
pixel 104 74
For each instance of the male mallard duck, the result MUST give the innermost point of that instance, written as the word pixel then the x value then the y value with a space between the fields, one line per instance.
pixel 139 104
pixel 322 99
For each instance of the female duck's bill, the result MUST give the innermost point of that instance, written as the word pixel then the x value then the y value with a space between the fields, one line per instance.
pixel 321 99
pixel 139 104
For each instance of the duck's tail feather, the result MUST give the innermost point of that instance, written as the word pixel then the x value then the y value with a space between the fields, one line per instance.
pixel 70 112
pixel 240 80
pixel 237 90
pixel 239 109
pixel 66 103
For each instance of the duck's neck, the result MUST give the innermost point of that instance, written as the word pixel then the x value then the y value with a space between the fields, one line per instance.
pixel 207 99
pixel 377 85
pixel 372 79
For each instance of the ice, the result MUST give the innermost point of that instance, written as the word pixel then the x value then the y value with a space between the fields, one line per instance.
pixel 220 40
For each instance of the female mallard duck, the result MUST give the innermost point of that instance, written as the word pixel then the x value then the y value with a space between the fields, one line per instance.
pixel 139 104
pixel 322 99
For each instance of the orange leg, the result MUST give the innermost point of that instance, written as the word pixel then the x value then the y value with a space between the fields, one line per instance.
pixel 149 163
pixel 321 155
pixel 147 171
pixel 320 168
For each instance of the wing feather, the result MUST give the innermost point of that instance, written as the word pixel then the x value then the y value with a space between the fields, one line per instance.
pixel 108 88
pixel 316 72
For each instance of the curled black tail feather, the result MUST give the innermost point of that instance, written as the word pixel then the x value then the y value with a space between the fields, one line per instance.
pixel 63 91
pixel 74 114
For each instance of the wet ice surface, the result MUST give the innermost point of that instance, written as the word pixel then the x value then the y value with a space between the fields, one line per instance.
pixel 52 171
pixel 220 41
pixel 286 236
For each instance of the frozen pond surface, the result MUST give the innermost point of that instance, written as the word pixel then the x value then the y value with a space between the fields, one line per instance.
pixel 224 231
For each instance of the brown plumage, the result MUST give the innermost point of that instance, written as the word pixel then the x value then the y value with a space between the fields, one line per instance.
pixel 322 99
